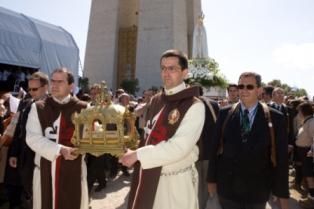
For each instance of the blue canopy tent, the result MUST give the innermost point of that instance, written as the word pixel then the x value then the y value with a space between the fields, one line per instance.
pixel 31 43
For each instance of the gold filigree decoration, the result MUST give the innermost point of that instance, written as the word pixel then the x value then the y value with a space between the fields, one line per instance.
pixel 105 127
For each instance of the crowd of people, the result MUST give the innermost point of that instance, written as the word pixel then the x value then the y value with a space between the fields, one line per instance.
pixel 237 151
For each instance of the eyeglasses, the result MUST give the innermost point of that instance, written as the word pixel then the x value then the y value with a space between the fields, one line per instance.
pixel 170 69
pixel 34 89
pixel 248 87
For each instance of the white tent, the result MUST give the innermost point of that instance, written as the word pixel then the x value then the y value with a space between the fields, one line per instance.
pixel 28 42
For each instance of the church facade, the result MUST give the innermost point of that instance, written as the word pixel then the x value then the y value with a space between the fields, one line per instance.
pixel 126 38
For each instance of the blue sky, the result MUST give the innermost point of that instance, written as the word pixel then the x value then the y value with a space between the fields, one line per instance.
pixel 272 37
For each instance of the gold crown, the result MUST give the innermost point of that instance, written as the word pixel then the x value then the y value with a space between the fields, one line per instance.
pixel 105 127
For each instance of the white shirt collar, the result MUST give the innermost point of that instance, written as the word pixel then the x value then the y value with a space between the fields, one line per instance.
pixel 176 89
pixel 251 109
pixel 64 100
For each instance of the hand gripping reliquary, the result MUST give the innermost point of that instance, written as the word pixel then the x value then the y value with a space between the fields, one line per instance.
pixel 105 127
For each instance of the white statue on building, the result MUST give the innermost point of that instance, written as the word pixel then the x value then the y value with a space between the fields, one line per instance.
pixel 199 40
pixel 203 69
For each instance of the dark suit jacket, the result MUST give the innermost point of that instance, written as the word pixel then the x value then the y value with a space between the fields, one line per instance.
pixel 244 172
pixel 288 115
pixel 20 150
pixel 208 128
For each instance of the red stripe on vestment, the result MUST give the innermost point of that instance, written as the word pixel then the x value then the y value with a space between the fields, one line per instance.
pixel 65 132
pixel 157 135
pixel 62 139
pixel 159 131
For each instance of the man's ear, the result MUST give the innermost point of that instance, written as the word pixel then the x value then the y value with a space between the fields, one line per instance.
pixel 185 73
pixel 72 87
pixel 260 91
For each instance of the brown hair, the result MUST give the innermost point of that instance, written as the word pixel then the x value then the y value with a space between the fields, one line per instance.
pixel 306 109
pixel 70 77
pixel 41 77
pixel 183 60
pixel 258 77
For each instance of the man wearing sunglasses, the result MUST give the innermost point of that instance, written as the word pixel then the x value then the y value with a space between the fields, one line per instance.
pixel 60 174
pixel 241 166
pixel 21 157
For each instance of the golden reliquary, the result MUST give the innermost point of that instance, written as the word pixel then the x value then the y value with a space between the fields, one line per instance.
pixel 105 127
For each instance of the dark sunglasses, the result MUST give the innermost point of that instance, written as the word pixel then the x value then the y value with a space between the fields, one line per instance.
pixel 248 87
pixel 34 89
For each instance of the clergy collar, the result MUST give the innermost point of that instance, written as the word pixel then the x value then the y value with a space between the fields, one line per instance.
pixel 187 92
pixel 64 100
pixel 176 89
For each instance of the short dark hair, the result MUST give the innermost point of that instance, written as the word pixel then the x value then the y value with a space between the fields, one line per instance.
pixel 232 85
pixel 258 77
pixel 306 109
pixel 70 77
pixel 183 60
pixel 268 90
pixel 41 77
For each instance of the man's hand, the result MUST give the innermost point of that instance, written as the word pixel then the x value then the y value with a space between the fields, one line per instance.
pixel 68 153
pixel 129 158
pixel 13 162
pixel 212 189
pixel 2 108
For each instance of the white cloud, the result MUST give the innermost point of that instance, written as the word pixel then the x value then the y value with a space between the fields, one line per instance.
pixel 294 56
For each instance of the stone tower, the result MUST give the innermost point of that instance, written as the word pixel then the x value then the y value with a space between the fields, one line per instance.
pixel 126 38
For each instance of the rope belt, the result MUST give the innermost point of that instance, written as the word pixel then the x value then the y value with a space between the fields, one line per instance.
pixel 174 173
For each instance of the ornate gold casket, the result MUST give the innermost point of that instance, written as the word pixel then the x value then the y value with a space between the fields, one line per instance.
pixel 105 127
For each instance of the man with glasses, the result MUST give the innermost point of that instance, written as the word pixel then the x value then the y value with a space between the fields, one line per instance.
pixel 21 157
pixel 248 156
pixel 60 174
pixel 167 177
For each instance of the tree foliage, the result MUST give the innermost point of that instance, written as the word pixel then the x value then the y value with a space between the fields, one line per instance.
pixel 130 85
pixel 288 89
pixel 83 84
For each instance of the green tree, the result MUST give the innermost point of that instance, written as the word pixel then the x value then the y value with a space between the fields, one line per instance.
pixel 301 92
pixel 130 85
pixel 83 83
pixel 275 83
pixel 288 89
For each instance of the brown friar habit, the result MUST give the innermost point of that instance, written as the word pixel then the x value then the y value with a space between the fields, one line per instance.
pixel 145 181
pixel 68 172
